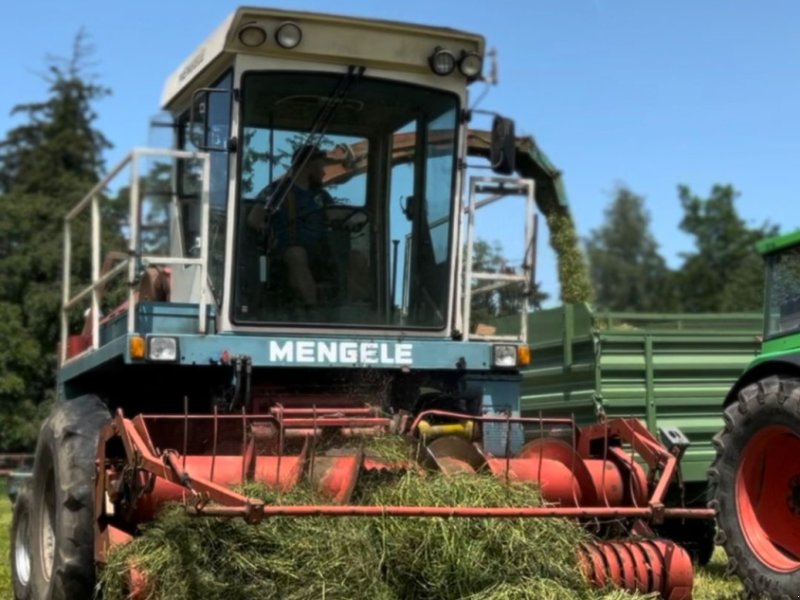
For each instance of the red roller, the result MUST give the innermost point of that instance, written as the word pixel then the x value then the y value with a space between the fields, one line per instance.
pixel 645 566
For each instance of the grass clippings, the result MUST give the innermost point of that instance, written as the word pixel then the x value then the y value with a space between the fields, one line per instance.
pixel 363 558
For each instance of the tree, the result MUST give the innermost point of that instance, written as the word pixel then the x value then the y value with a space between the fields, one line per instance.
pixel 497 302
pixel 725 273
pixel 47 164
pixel 626 270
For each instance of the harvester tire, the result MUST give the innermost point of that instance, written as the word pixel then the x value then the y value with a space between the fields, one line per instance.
pixel 755 487
pixel 62 529
pixel 21 544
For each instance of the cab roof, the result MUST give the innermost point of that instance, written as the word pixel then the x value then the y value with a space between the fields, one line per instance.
pixel 325 39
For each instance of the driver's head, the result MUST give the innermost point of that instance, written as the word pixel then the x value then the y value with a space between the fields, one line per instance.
pixel 310 165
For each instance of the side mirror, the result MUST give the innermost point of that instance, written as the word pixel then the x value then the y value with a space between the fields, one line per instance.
pixel 503 150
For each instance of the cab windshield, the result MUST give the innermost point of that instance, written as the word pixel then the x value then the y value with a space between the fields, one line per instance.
pixel 345 202
pixel 783 292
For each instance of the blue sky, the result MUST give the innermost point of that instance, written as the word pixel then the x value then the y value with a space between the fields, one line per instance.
pixel 649 94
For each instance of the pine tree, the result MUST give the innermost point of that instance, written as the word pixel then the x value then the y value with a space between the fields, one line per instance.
pixel 725 272
pixel 47 164
pixel 627 271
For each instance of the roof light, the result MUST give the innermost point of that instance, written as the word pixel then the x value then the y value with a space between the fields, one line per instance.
pixel 252 35
pixel 471 64
pixel 442 61
pixel 288 35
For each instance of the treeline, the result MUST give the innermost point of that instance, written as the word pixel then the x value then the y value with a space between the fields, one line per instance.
pixel 47 164
pixel 723 273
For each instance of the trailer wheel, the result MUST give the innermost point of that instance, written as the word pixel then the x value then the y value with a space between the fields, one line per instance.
pixel 21 544
pixel 755 487
pixel 62 529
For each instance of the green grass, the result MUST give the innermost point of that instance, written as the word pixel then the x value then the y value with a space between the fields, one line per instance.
pixel 711 583
pixel 5 525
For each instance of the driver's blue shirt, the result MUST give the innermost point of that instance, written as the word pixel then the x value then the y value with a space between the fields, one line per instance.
pixel 300 221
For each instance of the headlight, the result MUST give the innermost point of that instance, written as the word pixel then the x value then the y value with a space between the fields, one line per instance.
pixel 252 35
pixel 442 61
pixel 505 356
pixel 163 349
pixel 288 35
pixel 470 65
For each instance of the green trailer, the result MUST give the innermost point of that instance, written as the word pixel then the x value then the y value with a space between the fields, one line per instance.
pixel 669 370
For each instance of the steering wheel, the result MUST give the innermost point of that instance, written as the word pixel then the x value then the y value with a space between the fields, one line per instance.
pixel 347 218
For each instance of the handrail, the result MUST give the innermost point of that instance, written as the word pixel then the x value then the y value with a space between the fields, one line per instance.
pixel 498 188
pixel 128 263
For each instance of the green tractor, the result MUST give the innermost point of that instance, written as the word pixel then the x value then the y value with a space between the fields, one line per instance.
pixel 755 479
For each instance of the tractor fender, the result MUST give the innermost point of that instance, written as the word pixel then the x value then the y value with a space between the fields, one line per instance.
pixel 787 366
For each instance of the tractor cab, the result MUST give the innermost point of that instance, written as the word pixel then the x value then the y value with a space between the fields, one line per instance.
pixel 336 153
pixel 782 298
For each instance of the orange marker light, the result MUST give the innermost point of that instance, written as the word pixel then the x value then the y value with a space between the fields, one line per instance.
pixel 136 347
pixel 523 356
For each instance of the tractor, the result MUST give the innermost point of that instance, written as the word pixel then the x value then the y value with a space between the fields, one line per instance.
pixel 755 478
pixel 297 268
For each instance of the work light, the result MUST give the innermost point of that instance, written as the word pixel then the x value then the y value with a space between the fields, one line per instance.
pixel 252 35
pixel 288 35
pixel 442 61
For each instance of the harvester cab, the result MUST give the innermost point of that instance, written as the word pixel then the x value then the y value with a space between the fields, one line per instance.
pixel 295 276
pixel 755 479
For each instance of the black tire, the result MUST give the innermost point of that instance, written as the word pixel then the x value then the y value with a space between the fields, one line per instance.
pixel 746 453
pixel 62 531
pixel 21 544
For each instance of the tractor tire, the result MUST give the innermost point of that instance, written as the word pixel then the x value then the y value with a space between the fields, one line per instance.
pixel 755 487
pixel 62 524
pixel 21 544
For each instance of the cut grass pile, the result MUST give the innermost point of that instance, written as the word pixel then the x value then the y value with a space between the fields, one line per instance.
pixel 352 558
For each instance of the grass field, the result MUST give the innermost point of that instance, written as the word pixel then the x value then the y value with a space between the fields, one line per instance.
pixel 710 582
pixel 5 524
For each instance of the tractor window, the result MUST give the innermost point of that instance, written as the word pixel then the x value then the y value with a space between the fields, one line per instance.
pixel 783 292
pixel 210 129
pixel 346 203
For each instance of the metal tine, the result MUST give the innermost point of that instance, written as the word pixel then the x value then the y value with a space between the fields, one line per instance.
pixel 541 452
pixel 605 459
pixel 508 444
pixel 214 442
pixel 185 429
pixel 631 478
pixel 280 448
pixel 244 445
pixel 313 446
pixel 574 452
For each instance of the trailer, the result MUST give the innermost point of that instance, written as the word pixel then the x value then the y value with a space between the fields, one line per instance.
pixel 667 370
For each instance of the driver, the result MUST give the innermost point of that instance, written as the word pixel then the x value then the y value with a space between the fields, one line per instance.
pixel 298 227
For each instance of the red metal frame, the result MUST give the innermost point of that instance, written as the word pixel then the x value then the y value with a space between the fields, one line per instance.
pixel 201 481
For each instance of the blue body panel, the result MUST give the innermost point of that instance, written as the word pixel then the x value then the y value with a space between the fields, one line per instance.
pixel 356 351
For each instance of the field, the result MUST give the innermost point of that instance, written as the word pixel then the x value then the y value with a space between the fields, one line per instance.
pixel 710 583
pixel 5 524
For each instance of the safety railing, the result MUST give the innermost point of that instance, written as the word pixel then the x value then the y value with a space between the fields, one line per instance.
pixel 135 259
pixel 484 191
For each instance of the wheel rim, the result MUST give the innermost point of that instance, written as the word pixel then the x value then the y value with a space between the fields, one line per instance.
pixel 768 497
pixel 22 551
pixel 47 516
